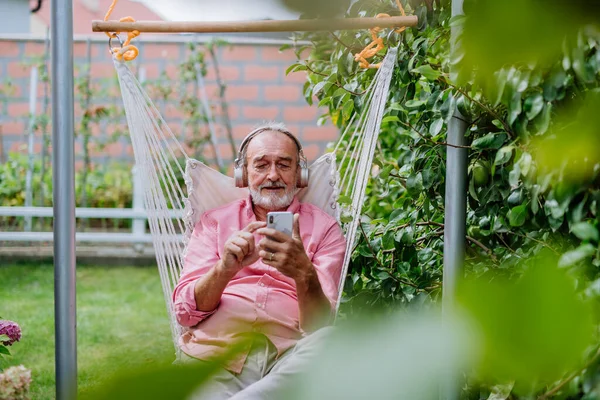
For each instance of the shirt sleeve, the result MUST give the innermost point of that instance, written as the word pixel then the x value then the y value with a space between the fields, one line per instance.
pixel 328 260
pixel 202 254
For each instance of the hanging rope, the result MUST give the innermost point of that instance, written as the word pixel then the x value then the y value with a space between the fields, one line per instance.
pixel 376 44
pixel 127 51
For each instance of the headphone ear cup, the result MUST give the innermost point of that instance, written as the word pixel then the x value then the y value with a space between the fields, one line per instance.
pixel 303 179
pixel 238 176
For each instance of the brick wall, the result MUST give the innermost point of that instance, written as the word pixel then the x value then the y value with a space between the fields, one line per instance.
pixel 257 90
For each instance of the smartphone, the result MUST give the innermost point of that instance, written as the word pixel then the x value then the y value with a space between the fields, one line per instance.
pixel 282 221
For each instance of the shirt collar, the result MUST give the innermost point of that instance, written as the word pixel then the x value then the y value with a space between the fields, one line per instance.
pixel 294 206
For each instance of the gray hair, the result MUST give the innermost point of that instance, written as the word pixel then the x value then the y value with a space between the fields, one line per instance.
pixel 268 126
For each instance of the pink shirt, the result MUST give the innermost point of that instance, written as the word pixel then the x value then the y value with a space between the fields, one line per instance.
pixel 259 298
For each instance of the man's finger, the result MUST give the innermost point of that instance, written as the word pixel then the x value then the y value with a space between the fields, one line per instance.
pixel 236 251
pixel 273 234
pixel 251 244
pixel 252 226
pixel 241 243
pixel 296 234
pixel 271 245
pixel 247 236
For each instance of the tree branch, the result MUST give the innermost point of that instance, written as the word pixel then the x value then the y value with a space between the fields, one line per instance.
pixel 484 107
pixel 423 223
pixel 337 39
pixel 335 83
pixel 485 248
pixel 431 140
pixel 535 240
pixel 557 388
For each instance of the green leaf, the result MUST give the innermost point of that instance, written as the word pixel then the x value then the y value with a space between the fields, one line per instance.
pixel 388 242
pixel 533 105
pixel 414 103
pixel 390 118
pixel 514 108
pixel 574 256
pixel 498 124
pixel 542 121
pixel 344 200
pixel 585 231
pixel 396 106
pixel 525 163
pixel 414 184
pixel 295 67
pixel 3 338
pixel 320 86
pixel 345 218
pixel 517 215
pixel 4 350
pixel 514 175
pixel 503 155
pixel 436 126
pixel 383 275
pixel 489 141
pixel 428 72
pixel 348 108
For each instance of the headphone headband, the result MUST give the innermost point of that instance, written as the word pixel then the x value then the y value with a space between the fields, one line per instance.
pixel 238 164
pixel 258 131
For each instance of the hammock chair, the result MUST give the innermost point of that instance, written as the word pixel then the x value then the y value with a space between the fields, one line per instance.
pixel 173 212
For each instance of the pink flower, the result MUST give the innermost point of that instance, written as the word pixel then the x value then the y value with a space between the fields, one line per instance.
pixel 10 329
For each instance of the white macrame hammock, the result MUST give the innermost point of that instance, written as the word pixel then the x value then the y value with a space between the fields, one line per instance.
pixel 173 213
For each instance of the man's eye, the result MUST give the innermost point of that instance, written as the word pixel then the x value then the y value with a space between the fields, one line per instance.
pixel 260 167
pixel 283 166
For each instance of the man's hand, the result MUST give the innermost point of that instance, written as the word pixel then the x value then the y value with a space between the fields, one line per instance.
pixel 285 253
pixel 240 250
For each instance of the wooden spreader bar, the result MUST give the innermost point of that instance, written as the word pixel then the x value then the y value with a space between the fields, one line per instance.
pixel 299 25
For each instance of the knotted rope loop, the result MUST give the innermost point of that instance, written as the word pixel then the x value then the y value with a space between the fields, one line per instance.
pixel 376 44
pixel 131 51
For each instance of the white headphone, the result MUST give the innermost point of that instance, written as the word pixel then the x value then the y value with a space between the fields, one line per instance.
pixel 239 170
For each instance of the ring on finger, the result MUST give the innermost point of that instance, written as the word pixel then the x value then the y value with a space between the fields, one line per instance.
pixel 271 257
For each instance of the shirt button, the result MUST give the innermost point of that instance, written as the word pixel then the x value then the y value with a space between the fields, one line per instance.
pixel 260 305
pixel 261 284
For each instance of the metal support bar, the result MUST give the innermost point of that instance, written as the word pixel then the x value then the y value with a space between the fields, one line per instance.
pixel 63 160
pixel 207 113
pixel 117 213
pixel 455 208
pixel 91 237
pixel 33 83
pixel 296 25
pixel 455 216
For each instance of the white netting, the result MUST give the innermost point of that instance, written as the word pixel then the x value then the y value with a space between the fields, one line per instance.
pixel 161 159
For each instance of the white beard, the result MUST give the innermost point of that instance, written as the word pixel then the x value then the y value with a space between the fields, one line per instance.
pixel 273 201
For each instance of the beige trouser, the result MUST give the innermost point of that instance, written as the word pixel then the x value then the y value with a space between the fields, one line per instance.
pixel 263 376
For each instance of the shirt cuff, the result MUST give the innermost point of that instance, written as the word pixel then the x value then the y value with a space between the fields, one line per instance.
pixel 185 307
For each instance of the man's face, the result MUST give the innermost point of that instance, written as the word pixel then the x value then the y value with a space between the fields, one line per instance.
pixel 272 167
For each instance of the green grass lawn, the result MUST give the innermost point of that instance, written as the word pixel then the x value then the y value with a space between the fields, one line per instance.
pixel 122 322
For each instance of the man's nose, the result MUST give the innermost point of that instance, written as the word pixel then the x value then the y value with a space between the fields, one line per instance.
pixel 273 173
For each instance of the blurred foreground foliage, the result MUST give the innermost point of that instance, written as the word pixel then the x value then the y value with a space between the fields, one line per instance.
pixel 526 333
pixel 525 76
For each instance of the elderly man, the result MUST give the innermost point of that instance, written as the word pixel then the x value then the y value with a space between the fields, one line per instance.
pixel 241 277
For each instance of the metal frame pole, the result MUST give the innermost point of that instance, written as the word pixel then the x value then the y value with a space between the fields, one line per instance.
pixel 63 160
pixel 33 84
pixel 456 213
